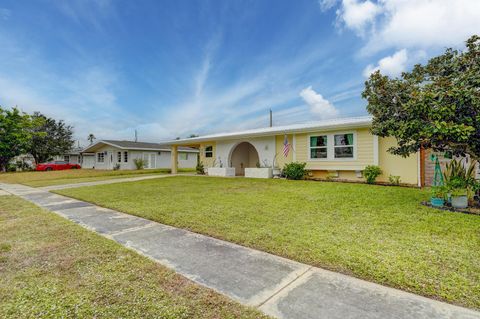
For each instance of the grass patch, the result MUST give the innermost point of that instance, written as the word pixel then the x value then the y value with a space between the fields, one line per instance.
pixel 37 179
pixel 381 234
pixel 52 268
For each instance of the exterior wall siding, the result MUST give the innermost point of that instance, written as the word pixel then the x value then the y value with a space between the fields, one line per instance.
pixel 208 161
pixel 73 159
pixel 162 159
pixel 265 147
pixel 363 141
pixel 366 152
pixel 341 169
pixel 281 160
pixel 407 168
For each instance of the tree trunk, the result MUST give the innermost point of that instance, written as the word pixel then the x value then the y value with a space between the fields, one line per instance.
pixel 35 158
pixel 3 164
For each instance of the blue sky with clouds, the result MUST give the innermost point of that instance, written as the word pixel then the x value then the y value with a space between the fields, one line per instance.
pixel 172 68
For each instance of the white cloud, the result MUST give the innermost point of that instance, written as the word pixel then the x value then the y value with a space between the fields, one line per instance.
pixel 427 23
pixel 5 14
pixel 318 104
pixel 392 65
pixel 357 15
pixel 326 4
pixel 419 24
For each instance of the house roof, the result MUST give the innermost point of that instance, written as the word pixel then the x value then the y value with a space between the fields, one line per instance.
pixel 341 123
pixel 132 145
pixel 74 151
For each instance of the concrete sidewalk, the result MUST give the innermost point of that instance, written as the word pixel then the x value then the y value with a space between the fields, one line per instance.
pixel 110 181
pixel 277 286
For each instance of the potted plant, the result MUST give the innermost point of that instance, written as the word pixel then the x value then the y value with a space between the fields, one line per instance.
pixel 458 191
pixel 438 196
pixel 261 171
pixel 459 198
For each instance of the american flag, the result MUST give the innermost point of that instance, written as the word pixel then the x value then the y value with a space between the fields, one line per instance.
pixel 286 146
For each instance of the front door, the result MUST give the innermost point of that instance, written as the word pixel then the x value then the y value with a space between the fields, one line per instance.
pixel 150 160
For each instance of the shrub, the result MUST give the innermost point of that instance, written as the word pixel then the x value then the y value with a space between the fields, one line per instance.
pixel 371 172
pixel 116 167
pixel 294 170
pixel 200 168
pixel 394 180
pixel 140 163
pixel 455 170
pixel 439 192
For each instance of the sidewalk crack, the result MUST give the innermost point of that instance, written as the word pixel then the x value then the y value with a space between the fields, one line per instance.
pixel 284 287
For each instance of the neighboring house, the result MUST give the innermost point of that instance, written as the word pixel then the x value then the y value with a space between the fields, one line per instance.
pixel 336 149
pixel 26 161
pixel 108 154
pixel 73 156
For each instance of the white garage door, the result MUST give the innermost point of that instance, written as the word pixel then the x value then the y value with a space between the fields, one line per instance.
pixel 88 162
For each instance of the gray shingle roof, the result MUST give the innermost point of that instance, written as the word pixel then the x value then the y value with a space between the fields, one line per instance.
pixel 133 144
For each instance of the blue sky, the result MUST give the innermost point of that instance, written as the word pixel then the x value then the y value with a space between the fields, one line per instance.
pixel 173 68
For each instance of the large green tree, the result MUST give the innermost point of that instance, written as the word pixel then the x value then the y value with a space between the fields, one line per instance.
pixel 435 106
pixel 15 134
pixel 50 138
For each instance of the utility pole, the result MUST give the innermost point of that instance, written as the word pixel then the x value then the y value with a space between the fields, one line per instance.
pixel 271 118
pixel 136 136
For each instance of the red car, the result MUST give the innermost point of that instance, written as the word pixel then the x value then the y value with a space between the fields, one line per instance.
pixel 56 166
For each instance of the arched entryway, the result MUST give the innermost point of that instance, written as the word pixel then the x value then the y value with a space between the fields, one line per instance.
pixel 243 155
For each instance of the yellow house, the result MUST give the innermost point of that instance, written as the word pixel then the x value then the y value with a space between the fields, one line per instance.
pixel 336 149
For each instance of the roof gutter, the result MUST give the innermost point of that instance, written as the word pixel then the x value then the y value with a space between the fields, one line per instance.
pixel 230 136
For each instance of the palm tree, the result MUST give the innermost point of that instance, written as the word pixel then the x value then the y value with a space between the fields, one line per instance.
pixel 91 138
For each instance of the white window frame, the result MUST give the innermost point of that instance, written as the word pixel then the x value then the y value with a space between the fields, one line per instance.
pixel 119 157
pixel 66 158
pixel 352 146
pixel 125 157
pixel 102 157
pixel 184 155
pixel 316 147
pixel 331 147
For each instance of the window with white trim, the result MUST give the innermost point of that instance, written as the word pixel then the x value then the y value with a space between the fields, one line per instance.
pixel 125 157
pixel 343 145
pixel 101 157
pixel 119 157
pixel 209 151
pixel 183 156
pixel 66 158
pixel 318 146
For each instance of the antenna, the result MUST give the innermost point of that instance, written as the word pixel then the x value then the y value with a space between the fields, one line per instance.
pixel 271 118
pixel 136 136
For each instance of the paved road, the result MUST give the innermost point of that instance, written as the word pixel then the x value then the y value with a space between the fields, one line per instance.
pixel 277 286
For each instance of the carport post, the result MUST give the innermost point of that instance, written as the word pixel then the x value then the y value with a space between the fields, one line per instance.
pixel 174 159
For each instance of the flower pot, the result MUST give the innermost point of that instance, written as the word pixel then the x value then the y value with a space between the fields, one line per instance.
pixel 221 171
pixel 437 202
pixel 459 202
pixel 258 172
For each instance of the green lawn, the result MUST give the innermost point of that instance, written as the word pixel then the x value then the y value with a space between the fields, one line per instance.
pixel 37 179
pixel 378 233
pixel 52 268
